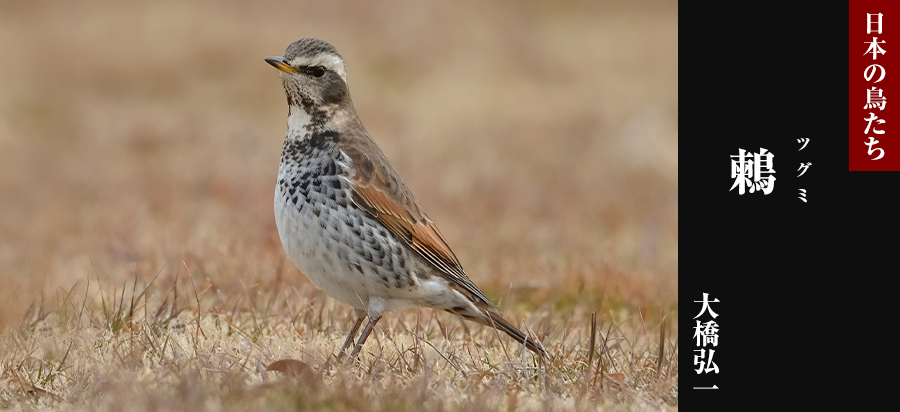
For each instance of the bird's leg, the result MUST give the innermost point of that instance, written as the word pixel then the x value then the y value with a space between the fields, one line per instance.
pixel 360 315
pixel 364 336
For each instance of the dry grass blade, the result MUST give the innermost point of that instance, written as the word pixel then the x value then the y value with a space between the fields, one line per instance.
pixel 197 297
pixel 31 387
pixel 449 362
pixel 661 356
pixel 593 340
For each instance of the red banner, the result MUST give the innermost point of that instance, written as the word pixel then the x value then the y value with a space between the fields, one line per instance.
pixel 874 44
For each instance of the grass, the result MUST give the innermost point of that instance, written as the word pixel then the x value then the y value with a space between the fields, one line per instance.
pixel 140 264
pixel 198 347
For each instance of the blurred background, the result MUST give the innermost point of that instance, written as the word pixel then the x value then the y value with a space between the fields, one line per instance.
pixel 541 138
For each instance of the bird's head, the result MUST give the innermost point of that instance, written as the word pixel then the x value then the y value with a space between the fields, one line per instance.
pixel 313 74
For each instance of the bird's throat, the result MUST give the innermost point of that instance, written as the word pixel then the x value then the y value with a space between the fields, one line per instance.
pixel 301 123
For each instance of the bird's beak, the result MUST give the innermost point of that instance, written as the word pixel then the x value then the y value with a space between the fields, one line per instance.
pixel 278 63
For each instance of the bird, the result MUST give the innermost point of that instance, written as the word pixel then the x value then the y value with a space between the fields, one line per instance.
pixel 348 220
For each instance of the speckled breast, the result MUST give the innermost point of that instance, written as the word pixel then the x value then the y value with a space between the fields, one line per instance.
pixel 339 247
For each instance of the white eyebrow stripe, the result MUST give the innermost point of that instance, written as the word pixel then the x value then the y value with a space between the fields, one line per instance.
pixel 328 61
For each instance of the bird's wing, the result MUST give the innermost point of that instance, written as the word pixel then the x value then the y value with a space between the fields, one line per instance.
pixel 379 190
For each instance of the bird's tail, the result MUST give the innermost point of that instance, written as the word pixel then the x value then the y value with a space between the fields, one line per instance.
pixel 495 320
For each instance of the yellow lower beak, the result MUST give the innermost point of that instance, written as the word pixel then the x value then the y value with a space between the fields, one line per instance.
pixel 279 63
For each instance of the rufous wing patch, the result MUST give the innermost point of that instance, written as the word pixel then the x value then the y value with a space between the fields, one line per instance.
pixel 420 234
pixel 386 198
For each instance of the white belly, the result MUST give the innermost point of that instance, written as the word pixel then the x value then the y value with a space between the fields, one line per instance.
pixel 317 254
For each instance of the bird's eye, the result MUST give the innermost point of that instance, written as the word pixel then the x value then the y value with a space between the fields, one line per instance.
pixel 317 71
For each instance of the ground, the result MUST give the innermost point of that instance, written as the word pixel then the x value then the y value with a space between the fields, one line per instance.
pixel 139 259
